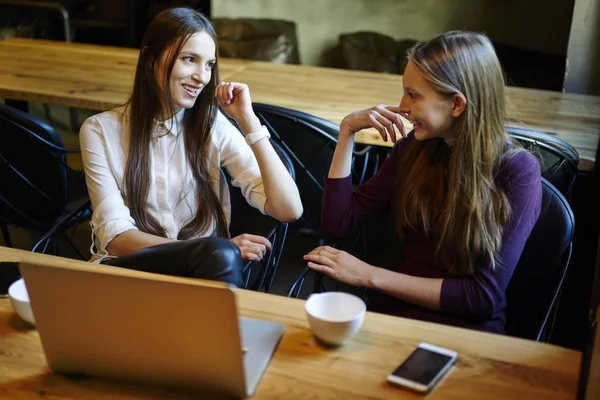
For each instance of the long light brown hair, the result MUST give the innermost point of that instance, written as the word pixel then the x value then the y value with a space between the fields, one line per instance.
pixel 450 192
pixel 166 35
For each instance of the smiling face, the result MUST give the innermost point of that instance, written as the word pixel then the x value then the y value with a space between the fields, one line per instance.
pixel 192 70
pixel 430 112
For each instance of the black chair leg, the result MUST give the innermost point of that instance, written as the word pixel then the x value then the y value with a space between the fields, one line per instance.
pixel 74 119
pixel 6 234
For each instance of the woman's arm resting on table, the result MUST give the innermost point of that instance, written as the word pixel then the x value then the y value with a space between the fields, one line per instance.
pixel 283 199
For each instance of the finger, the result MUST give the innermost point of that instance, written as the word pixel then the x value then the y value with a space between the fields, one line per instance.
pixel 386 118
pixel 330 249
pixel 399 123
pixel 229 92
pixel 321 268
pixel 374 122
pixel 394 117
pixel 249 247
pixel 392 107
pixel 324 252
pixel 250 256
pixel 387 124
pixel 320 259
pixel 220 92
pixel 258 239
pixel 260 250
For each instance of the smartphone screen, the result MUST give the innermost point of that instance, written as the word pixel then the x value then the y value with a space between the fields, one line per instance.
pixel 422 366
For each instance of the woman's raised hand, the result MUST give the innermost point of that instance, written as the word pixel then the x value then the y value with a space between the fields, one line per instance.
pixel 381 117
pixel 234 99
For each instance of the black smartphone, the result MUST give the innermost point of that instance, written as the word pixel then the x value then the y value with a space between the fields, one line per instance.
pixel 423 368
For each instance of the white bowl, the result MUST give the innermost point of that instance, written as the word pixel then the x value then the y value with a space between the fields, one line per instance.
pixel 19 298
pixel 335 316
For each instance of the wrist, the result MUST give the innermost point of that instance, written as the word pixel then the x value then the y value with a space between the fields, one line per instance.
pixel 257 136
pixel 249 124
pixel 371 277
pixel 345 132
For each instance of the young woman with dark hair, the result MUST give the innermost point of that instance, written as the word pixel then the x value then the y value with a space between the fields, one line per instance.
pixel 153 166
pixel 459 194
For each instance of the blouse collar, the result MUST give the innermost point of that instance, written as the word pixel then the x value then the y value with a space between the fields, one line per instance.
pixel 172 125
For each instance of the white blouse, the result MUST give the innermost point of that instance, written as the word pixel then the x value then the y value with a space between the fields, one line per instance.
pixel 172 196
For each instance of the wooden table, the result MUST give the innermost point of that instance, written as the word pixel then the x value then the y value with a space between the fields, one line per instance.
pixel 100 78
pixel 488 366
pixel 333 93
pixel 73 74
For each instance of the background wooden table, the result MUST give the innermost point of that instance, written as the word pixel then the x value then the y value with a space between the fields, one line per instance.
pixel 333 93
pixel 100 78
pixel 73 74
pixel 488 365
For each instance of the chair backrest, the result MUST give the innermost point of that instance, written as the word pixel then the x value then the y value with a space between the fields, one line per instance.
pixel 373 51
pixel 310 141
pixel 33 171
pixel 258 39
pixel 536 283
pixel 246 219
pixel 35 19
pixel 558 159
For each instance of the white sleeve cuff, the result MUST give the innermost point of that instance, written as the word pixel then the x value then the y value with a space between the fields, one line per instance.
pixel 110 218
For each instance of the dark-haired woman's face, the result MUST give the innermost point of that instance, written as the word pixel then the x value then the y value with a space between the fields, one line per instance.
pixel 192 70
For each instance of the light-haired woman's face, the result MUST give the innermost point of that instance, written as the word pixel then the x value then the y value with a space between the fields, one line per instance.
pixel 429 111
pixel 192 70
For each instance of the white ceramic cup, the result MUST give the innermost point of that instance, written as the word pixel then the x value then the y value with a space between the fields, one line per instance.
pixel 335 317
pixel 19 298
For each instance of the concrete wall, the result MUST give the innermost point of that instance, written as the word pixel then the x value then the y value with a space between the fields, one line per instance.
pixel 531 24
pixel 583 56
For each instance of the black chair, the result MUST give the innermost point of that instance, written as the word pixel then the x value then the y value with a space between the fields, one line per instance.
pixel 310 141
pixel 534 290
pixel 558 159
pixel 53 241
pixel 38 189
pixel 258 39
pixel 36 19
pixel 259 276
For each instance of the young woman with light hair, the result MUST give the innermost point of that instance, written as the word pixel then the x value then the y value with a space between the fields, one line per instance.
pixel 461 196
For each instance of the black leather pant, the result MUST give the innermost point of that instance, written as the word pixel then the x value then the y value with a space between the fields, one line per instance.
pixel 211 258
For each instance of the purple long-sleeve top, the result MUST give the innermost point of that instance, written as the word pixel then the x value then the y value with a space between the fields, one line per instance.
pixel 477 301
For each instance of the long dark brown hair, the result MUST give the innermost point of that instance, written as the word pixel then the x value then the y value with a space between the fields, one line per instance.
pixel 450 192
pixel 166 35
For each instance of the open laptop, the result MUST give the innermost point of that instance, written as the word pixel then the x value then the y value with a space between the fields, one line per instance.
pixel 148 328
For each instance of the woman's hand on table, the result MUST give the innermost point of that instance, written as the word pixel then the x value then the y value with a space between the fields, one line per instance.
pixel 341 266
pixel 252 247
pixel 381 117
pixel 234 99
